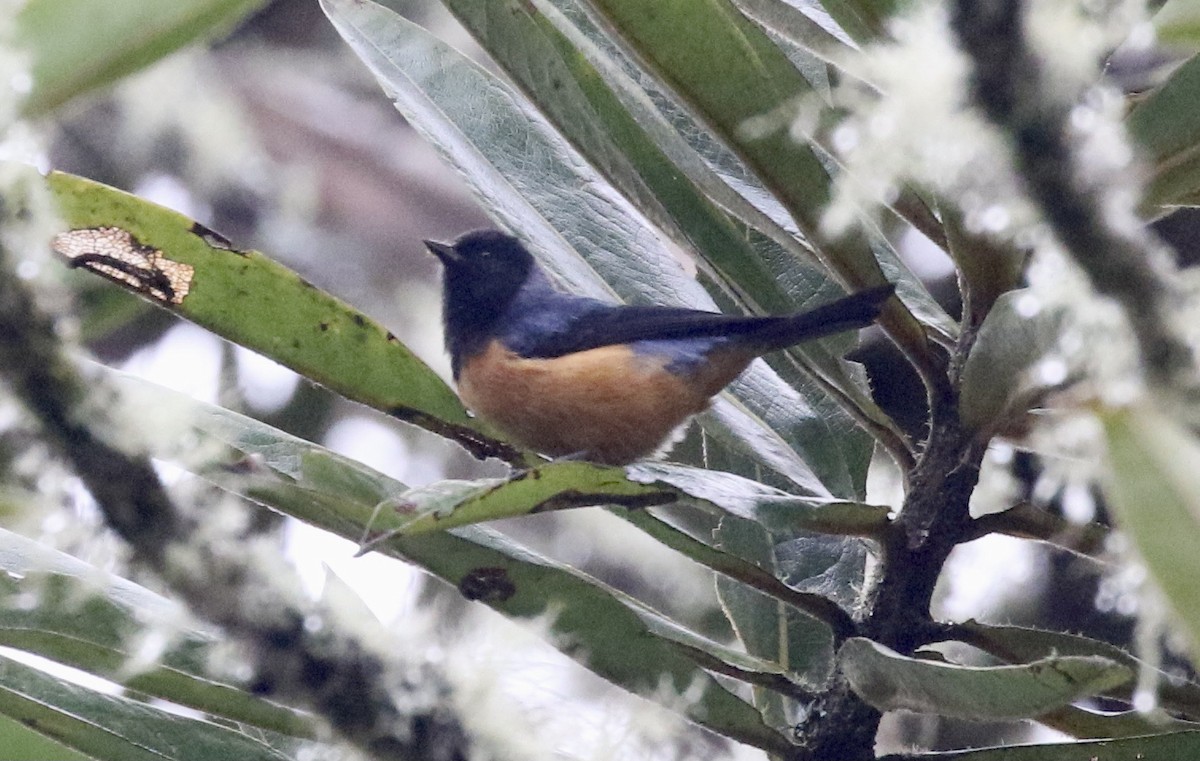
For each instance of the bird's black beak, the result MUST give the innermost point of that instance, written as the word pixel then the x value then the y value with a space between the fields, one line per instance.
pixel 443 251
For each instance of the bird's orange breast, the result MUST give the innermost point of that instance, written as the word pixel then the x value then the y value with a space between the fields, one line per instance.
pixel 609 404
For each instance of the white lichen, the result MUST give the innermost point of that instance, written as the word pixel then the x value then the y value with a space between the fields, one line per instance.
pixel 1073 38
pixel 910 124
pixel 531 701
pixel 1088 321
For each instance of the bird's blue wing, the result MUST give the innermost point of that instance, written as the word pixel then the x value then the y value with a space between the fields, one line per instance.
pixel 554 333
pixel 564 324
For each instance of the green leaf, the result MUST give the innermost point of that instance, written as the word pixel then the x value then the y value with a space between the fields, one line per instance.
pixel 996 374
pixel 1153 488
pixel 735 567
pixel 799 33
pixel 1166 126
pixel 613 635
pixel 111 727
pixel 80 45
pixel 262 305
pixel 861 19
pixel 1021 644
pixel 771 508
pixel 85 618
pixel 767 627
pixel 1175 745
pixel 772 242
pixel 1177 25
pixel 688 142
pixel 763 526
pixel 23 744
pixel 448 504
pixel 890 681
pixel 1101 725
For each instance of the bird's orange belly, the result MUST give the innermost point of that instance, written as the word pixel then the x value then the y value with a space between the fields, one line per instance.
pixel 608 404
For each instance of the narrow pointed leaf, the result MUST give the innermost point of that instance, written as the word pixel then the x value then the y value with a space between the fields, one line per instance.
pixel 112 728
pixel 1009 344
pixel 1177 25
pixel 92 621
pixel 689 143
pixel 1086 724
pixel 448 504
pixel 1153 488
pixel 771 508
pixel 79 45
pixel 1173 745
pixel 1166 127
pixel 890 681
pixel 243 296
pixel 1021 644
pixel 769 628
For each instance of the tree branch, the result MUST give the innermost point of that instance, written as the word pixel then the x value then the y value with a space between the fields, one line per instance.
pixel 1083 204
pixel 1027 521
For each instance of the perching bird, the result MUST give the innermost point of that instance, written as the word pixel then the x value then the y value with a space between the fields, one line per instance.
pixel 570 376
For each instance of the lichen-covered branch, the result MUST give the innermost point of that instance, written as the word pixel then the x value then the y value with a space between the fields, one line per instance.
pixel 391 707
pixel 1085 205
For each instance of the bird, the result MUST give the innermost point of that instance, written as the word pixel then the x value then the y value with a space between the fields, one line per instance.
pixel 578 378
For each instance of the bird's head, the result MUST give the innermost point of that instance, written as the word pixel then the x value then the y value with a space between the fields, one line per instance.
pixel 484 270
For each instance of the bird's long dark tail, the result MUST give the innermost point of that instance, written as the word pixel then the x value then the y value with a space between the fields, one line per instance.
pixel 855 311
